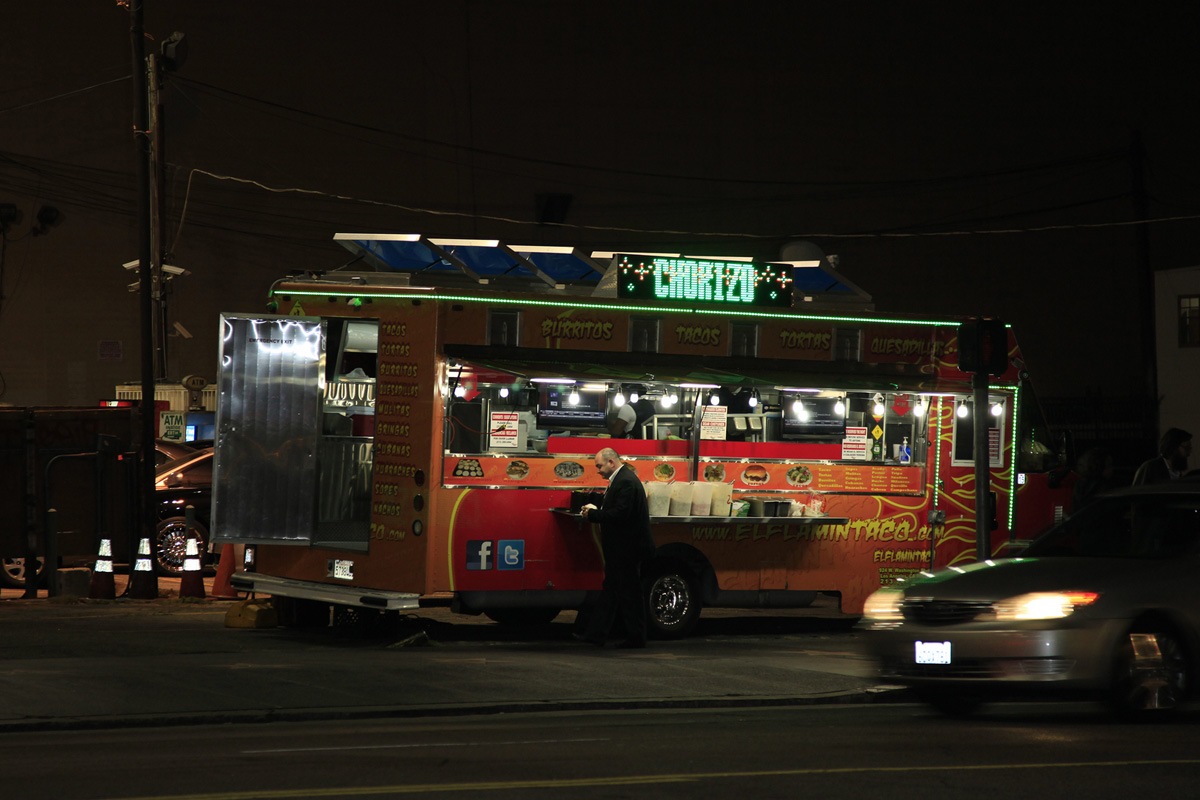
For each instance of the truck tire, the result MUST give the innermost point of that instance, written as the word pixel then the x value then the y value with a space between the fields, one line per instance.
pixel 672 600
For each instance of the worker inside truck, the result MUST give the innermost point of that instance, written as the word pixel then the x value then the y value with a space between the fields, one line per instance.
pixel 634 410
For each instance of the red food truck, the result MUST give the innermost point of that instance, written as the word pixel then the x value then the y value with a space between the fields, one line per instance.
pixel 421 433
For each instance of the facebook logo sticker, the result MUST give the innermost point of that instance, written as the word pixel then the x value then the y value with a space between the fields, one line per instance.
pixel 479 554
pixel 510 554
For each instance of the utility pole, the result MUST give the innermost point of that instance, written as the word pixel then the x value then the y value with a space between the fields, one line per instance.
pixel 141 138
pixel 156 185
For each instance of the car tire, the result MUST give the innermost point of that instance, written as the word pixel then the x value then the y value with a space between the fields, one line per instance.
pixel 171 539
pixel 672 600
pixel 1151 673
pixel 951 702
pixel 12 572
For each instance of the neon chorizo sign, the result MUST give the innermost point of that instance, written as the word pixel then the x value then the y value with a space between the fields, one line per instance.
pixel 698 280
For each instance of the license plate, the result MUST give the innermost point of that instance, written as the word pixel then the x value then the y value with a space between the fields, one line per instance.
pixel 343 570
pixel 933 652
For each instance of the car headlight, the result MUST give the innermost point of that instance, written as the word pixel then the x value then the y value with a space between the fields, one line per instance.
pixel 1042 605
pixel 883 605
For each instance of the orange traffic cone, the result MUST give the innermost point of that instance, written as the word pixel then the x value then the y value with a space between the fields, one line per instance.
pixel 143 583
pixel 102 587
pixel 192 582
pixel 222 587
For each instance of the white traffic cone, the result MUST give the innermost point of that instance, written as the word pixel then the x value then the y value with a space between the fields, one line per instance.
pixel 192 582
pixel 102 587
pixel 143 583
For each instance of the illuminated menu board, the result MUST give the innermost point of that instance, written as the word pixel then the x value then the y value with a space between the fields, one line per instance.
pixel 698 280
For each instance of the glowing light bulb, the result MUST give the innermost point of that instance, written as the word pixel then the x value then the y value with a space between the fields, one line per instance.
pixel 460 391
pixel 919 408
pixel 619 399
pixel 997 409
pixel 714 400
pixel 878 408
pixel 752 402
pixel 573 398
pixel 504 391
pixel 633 397
pixel 961 411
pixel 839 407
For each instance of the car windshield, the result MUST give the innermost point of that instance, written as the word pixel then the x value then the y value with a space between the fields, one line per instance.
pixel 193 470
pixel 1131 526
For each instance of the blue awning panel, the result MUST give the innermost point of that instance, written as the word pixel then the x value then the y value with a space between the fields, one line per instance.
pixel 473 257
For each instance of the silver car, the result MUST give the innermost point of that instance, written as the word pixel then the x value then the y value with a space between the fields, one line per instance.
pixel 1107 603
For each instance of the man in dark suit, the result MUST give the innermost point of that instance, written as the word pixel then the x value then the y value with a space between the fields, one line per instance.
pixel 625 540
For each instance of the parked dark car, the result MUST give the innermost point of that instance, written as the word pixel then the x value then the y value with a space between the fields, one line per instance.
pixel 1107 603
pixel 165 451
pixel 179 483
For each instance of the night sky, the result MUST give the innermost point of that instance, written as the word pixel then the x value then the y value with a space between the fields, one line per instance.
pixel 958 159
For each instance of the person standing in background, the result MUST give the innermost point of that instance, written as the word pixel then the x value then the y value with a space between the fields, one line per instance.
pixel 1171 461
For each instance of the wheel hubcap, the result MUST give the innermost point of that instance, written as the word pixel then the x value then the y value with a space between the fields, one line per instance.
pixel 172 548
pixel 670 599
pixel 1157 672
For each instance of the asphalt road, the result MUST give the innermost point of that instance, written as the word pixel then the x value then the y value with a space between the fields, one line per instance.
pixel 89 663
pixel 838 752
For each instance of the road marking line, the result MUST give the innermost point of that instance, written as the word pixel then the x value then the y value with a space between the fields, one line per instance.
pixel 414 745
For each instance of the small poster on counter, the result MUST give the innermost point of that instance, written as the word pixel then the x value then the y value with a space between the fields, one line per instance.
pixel 712 424
pixel 854 446
pixel 504 429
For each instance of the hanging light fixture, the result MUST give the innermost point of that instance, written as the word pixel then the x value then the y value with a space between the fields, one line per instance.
pixel 962 410
pixel 633 396
pixel 714 400
pixel 504 391
pixel 460 391
pixel 619 399
pixel 839 407
pixel 753 401
pixel 997 409
pixel 573 397
pixel 878 408
pixel 919 408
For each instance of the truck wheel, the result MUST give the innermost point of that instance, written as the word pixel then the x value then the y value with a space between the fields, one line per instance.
pixel 672 600
pixel 522 617
pixel 12 572
pixel 171 545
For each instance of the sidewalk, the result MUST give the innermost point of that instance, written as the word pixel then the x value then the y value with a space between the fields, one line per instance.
pixel 91 664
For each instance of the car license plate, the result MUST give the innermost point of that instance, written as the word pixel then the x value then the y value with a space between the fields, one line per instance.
pixel 342 570
pixel 933 652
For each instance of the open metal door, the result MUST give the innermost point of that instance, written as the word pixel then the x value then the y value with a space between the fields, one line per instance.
pixel 268 429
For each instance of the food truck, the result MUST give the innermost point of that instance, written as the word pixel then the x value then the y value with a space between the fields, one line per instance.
pixel 424 431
